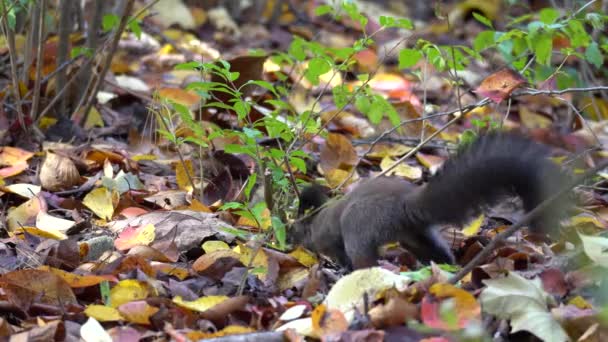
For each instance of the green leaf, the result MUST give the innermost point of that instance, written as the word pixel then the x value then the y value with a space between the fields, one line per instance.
pixel 341 95
pixel 408 58
pixel 189 66
pixel 250 183
pixel 81 50
pixel 548 15
pixel 577 33
pixel 104 289
pixel 109 22
pixel 594 55
pixel 362 103
pixel 380 107
pixel 484 40
pixel 234 148
pixel 316 67
pixel 482 19
pixel 323 9
pixel 542 45
pixel 135 28
pixel 241 108
pixel 296 49
pixel 279 231
pixel 266 85
pixel 298 163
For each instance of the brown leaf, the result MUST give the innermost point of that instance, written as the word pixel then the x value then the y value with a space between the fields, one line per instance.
pixel 44 286
pixel 214 265
pixel 337 153
pixel 499 86
pixel 395 312
pixel 249 67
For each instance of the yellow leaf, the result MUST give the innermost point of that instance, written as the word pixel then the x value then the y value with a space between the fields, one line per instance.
pixel 48 222
pixel 196 205
pixel 215 245
pixel 260 259
pixel 304 257
pixel 127 291
pixel 585 220
pixel 144 157
pixel 23 214
pixel 46 122
pixel 229 330
pixel 103 313
pixel 580 303
pixel 77 280
pixel 336 177
pixel 23 189
pixel 388 150
pixel 101 202
pixel 473 227
pixel 133 236
pixel 170 269
pixel 94 119
pixel 187 98
pixel 265 220
pixel 47 233
pixel 401 170
pixel 137 312
pixel 200 305
pixel 183 181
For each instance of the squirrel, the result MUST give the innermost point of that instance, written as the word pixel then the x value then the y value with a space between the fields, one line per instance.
pixel 390 209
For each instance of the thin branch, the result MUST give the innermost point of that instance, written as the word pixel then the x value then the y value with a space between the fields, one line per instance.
pixel 417 148
pixel 37 81
pixel 12 51
pixel 559 92
pixel 100 78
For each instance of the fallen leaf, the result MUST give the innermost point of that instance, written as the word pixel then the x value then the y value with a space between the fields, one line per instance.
pixel 23 190
pixel 348 292
pixel 201 304
pixel 15 160
pixel 137 312
pixel 77 280
pixel 525 303
pixel 103 313
pixel 101 201
pixel 499 86
pixel 92 331
pixel 24 215
pixel 402 170
pixel 133 236
pixel 22 287
pixel 126 291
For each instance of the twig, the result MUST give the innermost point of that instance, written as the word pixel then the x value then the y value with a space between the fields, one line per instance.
pixel 63 32
pixel 417 148
pixel 39 52
pixel 12 52
pixel 489 248
pixel 559 92
pixel 102 74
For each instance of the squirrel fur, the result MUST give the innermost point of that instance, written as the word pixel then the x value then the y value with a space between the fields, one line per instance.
pixel 390 209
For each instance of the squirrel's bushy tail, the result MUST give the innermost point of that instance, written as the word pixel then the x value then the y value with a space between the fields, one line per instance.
pixel 495 165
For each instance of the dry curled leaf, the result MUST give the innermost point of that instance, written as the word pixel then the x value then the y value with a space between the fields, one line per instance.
pixel 500 85
pixel 58 173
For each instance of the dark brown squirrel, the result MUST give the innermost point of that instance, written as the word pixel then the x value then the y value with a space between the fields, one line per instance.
pixel 388 209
